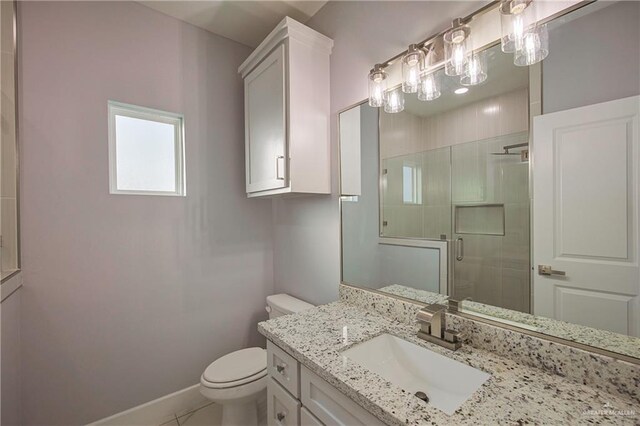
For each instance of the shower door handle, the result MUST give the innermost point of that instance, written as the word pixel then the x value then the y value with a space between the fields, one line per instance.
pixel 459 249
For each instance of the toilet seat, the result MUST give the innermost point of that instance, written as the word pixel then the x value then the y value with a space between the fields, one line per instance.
pixel 236 369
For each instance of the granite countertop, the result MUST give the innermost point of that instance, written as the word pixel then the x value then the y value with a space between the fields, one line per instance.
pixel 607 340
pixel 514 394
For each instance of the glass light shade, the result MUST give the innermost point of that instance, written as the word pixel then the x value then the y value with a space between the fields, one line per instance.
pixel 535 46
pixel 394 100
pixel 412 63
pixel 429 88
pixel 475 71
pixel 514 17
pixel 377 86
pixel 456 48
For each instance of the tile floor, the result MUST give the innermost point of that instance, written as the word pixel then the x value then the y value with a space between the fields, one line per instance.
pixel 209 415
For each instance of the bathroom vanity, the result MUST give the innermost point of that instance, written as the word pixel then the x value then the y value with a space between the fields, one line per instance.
pixel 298 396
pixel 315 379
pixel 441 205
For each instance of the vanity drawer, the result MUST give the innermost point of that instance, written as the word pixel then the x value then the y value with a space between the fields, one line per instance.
pixel 282 408
pixel 284 368
pixel 330 405
pixel 308 419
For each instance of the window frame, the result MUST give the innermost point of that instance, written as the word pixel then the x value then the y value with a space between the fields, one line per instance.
pixel 143 113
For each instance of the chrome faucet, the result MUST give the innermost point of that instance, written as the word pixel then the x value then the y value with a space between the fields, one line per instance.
pixel 432 320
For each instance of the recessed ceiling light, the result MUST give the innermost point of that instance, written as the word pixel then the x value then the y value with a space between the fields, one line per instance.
pixel 461 91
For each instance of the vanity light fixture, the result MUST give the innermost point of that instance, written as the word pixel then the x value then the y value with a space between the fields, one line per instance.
pixel 475 71
pixel 412 64
pixel 394 100
pixel 456 47
pixel 513 19
pixel 521 35
pixel 535 46
pixel 429 88
pixel 377 86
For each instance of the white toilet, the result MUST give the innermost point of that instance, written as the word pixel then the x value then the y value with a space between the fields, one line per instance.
pixel 238 381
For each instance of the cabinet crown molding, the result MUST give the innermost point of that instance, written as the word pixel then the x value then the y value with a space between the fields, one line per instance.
pixel 288 28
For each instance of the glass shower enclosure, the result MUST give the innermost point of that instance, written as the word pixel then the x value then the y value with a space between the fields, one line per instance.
pixel 476 196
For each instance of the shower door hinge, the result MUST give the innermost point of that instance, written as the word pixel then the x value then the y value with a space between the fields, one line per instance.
pixel 524 155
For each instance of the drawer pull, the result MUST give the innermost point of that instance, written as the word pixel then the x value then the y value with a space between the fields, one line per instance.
pixel 279 169
pixel 281 368
pixel 280 416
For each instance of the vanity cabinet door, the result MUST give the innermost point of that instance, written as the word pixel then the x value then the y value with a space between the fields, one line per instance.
pixel 329 405
pixel 283 368
pixel 282 408
pixel 265 124
pixel 308 419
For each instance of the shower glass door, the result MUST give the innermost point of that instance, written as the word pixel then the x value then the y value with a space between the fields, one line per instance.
pixel 490 221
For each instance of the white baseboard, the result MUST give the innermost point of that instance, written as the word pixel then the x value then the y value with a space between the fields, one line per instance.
pixel 160 410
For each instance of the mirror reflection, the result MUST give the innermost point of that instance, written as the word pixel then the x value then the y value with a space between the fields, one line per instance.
pixel 519 195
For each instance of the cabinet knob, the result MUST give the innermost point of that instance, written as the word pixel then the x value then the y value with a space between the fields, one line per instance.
pixel 280 416
pixel 280 368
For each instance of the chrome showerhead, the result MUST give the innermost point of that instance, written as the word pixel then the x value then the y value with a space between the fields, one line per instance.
pixel 523 154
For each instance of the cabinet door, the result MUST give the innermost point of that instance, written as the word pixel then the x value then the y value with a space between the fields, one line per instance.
pixel 265 124
pixel 330 405
pixel 282 408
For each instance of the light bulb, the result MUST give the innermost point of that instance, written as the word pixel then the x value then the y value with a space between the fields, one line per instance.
pixel 458 56
pixel 412 62
pixel 377 86
pixel 535 46
pixel 518 31
pixel 531 43
pixel 475 71
pixel 394 101
pixel 514 15
pixel 456 46
pixel 429 88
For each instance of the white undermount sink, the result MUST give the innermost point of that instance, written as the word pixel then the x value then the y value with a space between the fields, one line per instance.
pixel 447 383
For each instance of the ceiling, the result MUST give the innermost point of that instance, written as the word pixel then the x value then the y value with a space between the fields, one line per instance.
pixel 247 22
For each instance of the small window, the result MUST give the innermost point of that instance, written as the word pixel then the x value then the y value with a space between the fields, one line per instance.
pixel 146 151
pixel 411 184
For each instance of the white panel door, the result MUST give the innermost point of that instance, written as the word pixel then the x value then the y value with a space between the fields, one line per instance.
pixel 585 216
pixel 265 124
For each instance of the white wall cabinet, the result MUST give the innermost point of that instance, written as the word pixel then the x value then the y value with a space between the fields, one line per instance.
pixel 298 397
pixel 286 101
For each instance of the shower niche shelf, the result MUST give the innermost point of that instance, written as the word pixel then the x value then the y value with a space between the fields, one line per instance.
pixel 479 219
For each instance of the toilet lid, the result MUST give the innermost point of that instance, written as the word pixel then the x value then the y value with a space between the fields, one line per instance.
pixel 237 365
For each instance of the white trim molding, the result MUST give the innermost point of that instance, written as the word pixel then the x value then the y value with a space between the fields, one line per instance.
pixel 159 411
pixel 153 115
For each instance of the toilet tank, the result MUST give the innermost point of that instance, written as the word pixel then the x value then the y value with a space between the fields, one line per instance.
pixel 283 304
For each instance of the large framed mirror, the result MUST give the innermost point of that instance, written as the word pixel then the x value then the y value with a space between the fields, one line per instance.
pixel 519 195
pixel 9 229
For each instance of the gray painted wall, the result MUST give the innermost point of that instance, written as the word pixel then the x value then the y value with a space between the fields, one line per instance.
pixel 307 229
pixel 129 298
pixel 11 362
pixel 593 59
